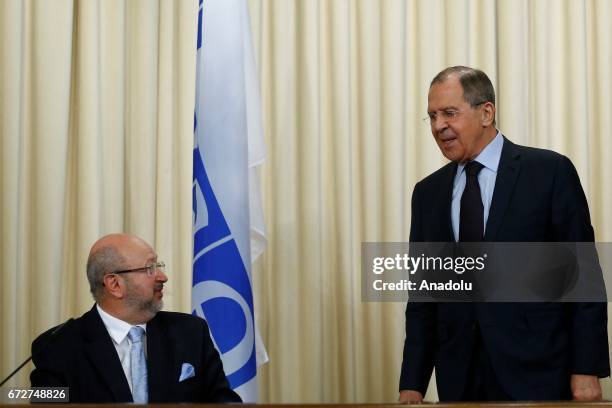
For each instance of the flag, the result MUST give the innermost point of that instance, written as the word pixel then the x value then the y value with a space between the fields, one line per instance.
pixel 228 227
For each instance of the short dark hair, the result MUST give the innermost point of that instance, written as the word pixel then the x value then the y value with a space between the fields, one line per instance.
pixel 105 260
pixel 477 87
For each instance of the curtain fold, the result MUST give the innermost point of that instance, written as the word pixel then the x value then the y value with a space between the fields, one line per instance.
pixel 96 136
pixel 344 87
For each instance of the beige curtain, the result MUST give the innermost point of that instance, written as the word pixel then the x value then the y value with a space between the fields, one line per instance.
pixel 96 132
pixel 96 123
pixel 344 86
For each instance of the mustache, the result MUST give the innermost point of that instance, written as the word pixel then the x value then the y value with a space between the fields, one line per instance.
pixel 158 286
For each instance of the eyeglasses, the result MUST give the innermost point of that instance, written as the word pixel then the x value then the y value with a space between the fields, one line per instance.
pixel 149 269
pixel 448 114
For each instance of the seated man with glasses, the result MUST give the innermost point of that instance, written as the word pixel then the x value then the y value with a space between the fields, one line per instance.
pixel 125 349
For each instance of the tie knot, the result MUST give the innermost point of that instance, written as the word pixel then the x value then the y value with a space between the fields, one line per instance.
pixel 473 168
pixel 136 333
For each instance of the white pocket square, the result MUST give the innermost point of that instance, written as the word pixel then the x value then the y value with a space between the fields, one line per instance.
pixel 187 371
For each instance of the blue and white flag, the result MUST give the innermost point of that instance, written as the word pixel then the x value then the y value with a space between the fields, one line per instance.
pixel 228 227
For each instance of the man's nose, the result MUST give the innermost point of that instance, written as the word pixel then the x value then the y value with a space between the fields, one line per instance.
pixel 438 123
pixel 161 276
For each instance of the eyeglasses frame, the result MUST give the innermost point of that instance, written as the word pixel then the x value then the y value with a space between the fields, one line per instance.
pixel 451 117
pixel 152 268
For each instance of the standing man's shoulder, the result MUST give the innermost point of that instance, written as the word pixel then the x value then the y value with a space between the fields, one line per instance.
pixel 438 177
pixel 536 156
pixel 542 164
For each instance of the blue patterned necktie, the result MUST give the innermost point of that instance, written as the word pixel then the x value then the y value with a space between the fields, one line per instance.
pixel 140 390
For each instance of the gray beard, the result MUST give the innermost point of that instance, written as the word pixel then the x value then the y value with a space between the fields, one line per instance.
pixel 147 307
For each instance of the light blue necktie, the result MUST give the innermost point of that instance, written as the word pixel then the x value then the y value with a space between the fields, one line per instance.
pixel 140 391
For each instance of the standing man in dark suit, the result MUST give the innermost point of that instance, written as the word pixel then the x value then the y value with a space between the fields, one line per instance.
pixel 496 191
pixel 125 349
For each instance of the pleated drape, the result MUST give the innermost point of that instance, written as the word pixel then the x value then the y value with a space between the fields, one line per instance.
pixel 96 126
pixel 344 87
pixel 96 135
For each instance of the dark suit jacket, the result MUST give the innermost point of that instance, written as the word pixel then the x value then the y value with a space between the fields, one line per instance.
pixel 82 356
pixel 534 347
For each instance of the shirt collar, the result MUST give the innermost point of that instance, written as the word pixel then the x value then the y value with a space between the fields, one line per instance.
pixel 489 156
pixel 117 328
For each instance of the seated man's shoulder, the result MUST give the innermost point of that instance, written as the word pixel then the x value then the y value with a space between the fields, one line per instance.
pixel 182 319
pixel 60 336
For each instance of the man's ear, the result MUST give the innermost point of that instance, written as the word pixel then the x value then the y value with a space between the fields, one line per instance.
pixel 488 114
pixel 113 285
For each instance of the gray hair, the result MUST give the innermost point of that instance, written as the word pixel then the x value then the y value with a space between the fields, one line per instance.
pixel 477 87
pixel 100 263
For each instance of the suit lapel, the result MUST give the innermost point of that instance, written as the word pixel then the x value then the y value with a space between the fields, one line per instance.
pixel 438 213
pixel 446 197
pixel 507 173
pixel 160 369
pixel 103 355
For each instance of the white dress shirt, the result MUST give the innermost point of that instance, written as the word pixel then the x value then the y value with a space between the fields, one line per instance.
pixel 118 331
